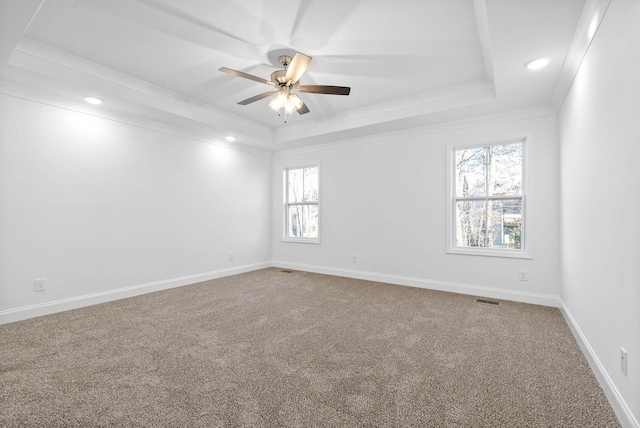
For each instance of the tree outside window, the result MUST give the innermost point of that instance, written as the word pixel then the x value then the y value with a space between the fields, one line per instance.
pixel 488 196
pixel 301 205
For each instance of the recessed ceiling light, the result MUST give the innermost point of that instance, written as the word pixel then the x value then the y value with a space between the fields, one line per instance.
pixel 230 138
pixel 537 63
pixel 93 100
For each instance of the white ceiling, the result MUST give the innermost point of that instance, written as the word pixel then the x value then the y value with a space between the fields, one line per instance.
pixel 409 62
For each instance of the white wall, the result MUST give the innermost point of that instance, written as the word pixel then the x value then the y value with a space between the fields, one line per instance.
pixel 600 178
pixel 95 206
pixel 384 200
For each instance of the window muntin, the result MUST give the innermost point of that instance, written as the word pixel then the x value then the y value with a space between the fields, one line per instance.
pixel 488 199
pixel 302 204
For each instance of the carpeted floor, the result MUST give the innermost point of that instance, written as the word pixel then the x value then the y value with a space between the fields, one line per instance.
pixel 277 349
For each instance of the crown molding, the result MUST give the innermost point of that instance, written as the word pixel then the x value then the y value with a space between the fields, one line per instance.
pixel 329 128
pixel 592 14
pixel 78 73
pixel 53 100
pixel 454 125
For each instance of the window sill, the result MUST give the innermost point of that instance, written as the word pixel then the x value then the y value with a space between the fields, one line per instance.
pixel 302 240
pixel 487 252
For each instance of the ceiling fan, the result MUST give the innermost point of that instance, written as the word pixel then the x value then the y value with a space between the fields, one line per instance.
pixel 285 83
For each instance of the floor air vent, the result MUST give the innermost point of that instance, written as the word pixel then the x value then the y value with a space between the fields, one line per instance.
pixel 286 271
pixel 488 302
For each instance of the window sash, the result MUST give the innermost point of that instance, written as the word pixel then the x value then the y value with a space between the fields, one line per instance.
pixel 502 216
pixel 508 234
pixel 306 226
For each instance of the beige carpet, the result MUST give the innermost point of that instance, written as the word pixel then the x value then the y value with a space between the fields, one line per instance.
pixel 277 349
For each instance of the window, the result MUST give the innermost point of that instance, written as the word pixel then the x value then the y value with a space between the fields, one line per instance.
pixel 487 210
pixel 302 204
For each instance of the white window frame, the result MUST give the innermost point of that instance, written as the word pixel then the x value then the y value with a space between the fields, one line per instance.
pixel 526 250
pixel 286 204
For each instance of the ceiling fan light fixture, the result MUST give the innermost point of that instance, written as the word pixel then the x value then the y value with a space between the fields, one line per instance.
pixel 293 103
pixel 279 101
pixel 284 81
pixel 285 100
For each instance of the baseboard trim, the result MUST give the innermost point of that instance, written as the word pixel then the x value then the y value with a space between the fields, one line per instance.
pixel 474 290
pixel 47 308
pixel 620 407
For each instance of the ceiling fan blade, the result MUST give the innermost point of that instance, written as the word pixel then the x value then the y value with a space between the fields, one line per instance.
pixel 303 110
pixel 323 89
pixel 257 98
pixel 297 68
pixel 246 76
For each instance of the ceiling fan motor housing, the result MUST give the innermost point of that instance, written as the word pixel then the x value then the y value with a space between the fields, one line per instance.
pixel 278 76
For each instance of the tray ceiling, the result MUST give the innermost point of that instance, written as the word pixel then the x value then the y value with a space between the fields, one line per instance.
pixel 408 63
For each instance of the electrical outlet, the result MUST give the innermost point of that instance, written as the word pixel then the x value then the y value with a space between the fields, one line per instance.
pixel 231 256
pixel 524 275
pixel 41 284
pixel 623 361
pixel 354 258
